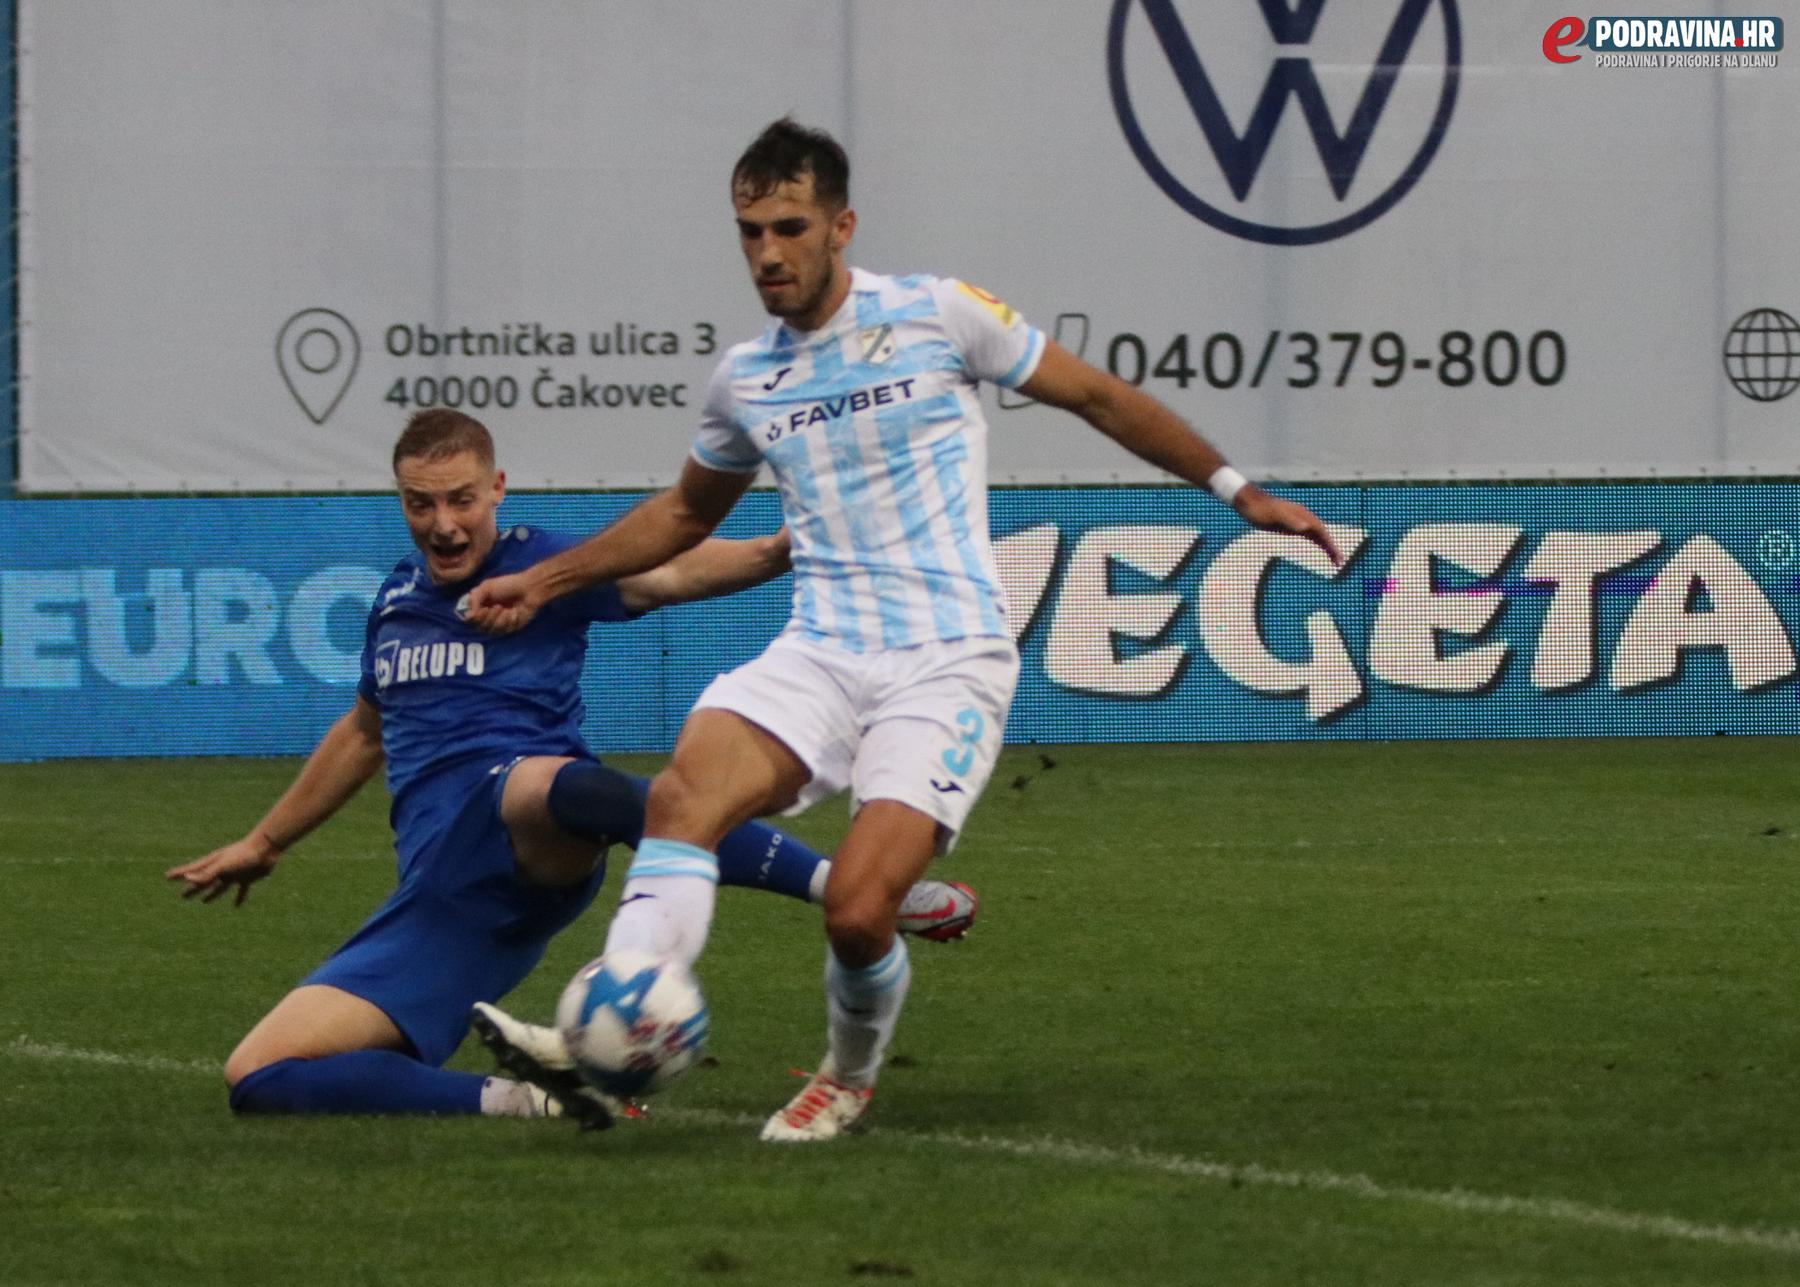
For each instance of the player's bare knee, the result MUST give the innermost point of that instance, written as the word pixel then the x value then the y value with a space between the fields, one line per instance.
pixel 245 1060
pixel 544 852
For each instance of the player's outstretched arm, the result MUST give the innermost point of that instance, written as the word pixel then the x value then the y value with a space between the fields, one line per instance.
pixel 1149 430
pixel 346 757
pixel 712 568
pixel 669 523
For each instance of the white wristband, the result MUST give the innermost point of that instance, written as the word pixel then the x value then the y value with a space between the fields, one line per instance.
pixel 1226 483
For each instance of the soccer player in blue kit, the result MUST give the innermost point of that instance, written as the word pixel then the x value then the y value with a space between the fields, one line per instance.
pixel 501 815
pixel 895 672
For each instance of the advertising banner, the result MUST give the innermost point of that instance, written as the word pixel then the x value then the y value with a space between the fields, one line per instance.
pixel 1391 240
pixel 233 626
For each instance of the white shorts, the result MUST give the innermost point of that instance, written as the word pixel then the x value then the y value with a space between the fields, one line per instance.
pixel 918 725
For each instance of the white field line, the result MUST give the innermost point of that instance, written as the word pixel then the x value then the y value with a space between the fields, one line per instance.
pixel 1098 1157
pixel 24 1047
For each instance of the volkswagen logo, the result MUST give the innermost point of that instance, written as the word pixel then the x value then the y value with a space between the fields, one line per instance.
pixel 1304 146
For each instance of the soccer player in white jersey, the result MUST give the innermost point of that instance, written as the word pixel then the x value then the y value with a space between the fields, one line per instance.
pixel 895 671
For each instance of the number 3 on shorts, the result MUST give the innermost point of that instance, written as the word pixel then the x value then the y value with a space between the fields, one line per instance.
pixel 961 757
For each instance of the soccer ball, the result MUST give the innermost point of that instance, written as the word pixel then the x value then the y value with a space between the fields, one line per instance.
pixel 633 1022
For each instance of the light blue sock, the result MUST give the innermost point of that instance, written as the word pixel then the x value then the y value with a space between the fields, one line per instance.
pixel 666 906
pixel 862 1008
pixel 360 1081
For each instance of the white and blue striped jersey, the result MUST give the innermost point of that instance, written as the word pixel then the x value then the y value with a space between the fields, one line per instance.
pixel 874 432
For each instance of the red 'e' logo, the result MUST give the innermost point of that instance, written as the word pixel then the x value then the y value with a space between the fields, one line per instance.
pixel 1564 31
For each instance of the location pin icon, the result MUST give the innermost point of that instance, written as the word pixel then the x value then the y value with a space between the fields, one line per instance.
pixel 318 351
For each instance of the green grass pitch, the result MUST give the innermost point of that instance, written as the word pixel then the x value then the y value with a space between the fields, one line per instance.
pixel 1433 1013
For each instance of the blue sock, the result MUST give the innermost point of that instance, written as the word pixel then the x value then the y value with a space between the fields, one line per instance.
pixel 606 806
pixel 756 856
pixel 589 800
pixel 360 1081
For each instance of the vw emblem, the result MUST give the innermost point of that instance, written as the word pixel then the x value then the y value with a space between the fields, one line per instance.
pixel 1320 139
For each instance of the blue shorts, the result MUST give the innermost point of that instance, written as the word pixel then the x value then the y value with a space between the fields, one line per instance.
pixel 462 927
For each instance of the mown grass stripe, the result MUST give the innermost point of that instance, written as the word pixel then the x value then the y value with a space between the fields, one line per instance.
pixel 1071 1152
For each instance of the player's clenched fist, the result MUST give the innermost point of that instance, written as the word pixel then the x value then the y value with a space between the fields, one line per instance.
pixel 502 604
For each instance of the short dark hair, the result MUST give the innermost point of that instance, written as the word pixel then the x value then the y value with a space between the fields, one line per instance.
pixel 437 432
pixel 784 152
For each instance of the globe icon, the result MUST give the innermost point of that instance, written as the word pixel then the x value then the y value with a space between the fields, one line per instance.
pixel 1762 354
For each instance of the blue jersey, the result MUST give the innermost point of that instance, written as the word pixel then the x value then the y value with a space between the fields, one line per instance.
pixel 455 700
